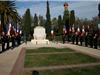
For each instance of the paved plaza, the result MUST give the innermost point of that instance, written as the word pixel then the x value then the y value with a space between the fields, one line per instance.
pixel 10 57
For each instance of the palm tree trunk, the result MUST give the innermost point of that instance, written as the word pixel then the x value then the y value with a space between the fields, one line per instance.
pixel 2 23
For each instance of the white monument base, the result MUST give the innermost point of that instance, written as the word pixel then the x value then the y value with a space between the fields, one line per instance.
pixel 39 36
pixel 45 41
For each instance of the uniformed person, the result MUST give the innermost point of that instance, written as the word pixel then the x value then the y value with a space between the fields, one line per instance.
pixel 99 41
pixel 3 41
pixel 81 38
pixel 16 38
pixel 13 41
pixel 90 37
pixel 86 39
pixel 7 40
pixel 73 35
pixel 12 33
pixel 91 40
pixel 95 40
pixel 64 35
pixel 63 38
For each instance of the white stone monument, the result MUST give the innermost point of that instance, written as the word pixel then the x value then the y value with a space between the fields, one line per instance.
pixel 39 36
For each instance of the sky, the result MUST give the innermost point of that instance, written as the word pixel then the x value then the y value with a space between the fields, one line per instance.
pixel 83 8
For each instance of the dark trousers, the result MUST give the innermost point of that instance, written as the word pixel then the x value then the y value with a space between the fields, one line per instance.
pixel 76 40
pixel 81 40
pixel 13 42
pixel 7 44
pixel 3 46
pixel 63 38
pixel 73 39
pixel 86 41
pixel 95 43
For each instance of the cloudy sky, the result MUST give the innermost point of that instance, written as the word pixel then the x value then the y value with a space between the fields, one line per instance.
pixel 83 9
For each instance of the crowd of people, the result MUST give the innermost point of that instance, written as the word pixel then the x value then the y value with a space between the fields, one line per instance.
pixel 10 39
pixel 84 37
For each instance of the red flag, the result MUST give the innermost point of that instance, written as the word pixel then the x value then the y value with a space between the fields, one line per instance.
pixel 12 31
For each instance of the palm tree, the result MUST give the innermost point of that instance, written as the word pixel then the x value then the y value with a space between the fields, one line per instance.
pixel 8 10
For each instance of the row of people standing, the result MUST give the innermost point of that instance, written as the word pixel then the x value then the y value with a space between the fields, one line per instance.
pixel 6 40
pixel 88 38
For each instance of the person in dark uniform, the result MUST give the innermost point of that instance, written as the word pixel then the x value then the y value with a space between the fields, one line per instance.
pixel 76 37
pixel 18 38
pixel 91 40
pixel 3 41
pixel 63 38
pixel 81 38
pixel 95 40
pixel 13 41
pixel 86 39
pixel 12 33
pixel 99 41
pixel 91 33
pixel 64 35
pixel 7 40
pixel 73 36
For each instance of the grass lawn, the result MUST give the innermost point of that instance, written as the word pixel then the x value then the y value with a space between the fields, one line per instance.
pixel 55 59
pixel 46 50
pixel 74 71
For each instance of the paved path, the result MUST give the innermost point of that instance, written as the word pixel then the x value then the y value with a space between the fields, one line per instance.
pixel 8 58
pixel 86 50
pixel 62 66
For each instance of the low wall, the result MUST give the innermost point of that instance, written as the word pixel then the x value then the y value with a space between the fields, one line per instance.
pixel 18 67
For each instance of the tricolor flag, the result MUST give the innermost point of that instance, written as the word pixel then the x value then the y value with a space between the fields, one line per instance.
pixel 8 33
pixel 64 29
pixel 73 28
pixel 12 30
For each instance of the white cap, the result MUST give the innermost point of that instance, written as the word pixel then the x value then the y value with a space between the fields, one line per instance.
pixel 78 29
pixel 83 30
pixel 51 31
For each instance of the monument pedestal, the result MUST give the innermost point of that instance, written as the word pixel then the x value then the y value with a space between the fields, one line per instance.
pixel 40 41
pixel 39 36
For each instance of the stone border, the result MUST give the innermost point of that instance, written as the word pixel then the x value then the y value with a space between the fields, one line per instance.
pixel 82 65
pixel 18 67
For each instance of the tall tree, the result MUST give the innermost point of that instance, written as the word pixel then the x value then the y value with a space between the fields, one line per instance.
pixel 35 21
pixel 54 21
pixel 60 24
pixel 48 20
pixel 72 18
pixel 66 19
pixel 27 23
pixel 7 9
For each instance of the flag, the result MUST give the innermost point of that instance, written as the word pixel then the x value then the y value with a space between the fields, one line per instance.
pixel 12 31
pixel 64 29
pixel 73 29
pixel 78 29
pixel 52 32
pixel 8 32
